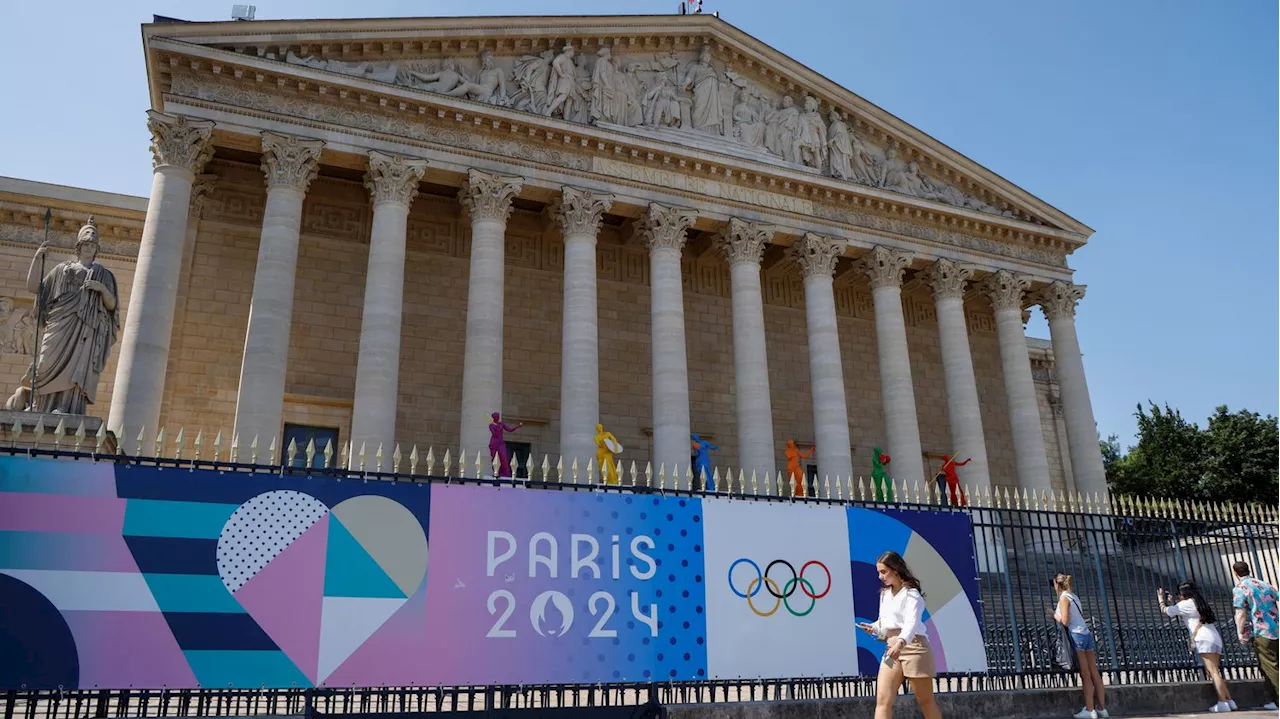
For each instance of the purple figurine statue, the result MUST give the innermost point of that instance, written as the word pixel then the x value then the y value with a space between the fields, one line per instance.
pixel 498 445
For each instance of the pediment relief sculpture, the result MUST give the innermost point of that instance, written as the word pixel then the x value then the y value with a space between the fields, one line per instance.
pixel 683 98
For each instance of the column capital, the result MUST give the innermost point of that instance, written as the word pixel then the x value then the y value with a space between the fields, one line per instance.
pixel 885 266
pixel 1059 299
pixel 579 211
pixel 393 178
pixel 179 141
pixel 290 161
pixel 487 196
pixel 948 278
pixel 817 254
pixel 743 241
pixel 664 228
pixel 200 191
pixel 1006 290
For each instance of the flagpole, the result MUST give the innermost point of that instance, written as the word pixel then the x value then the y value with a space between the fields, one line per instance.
pixel 35 351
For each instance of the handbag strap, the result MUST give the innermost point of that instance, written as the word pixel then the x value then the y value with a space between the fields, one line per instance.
pixel 1078 609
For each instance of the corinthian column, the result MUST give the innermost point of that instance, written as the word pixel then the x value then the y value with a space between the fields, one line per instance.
pixel 902 430
pixel 579 213
pixel 817 257
pixel 180 147
pixel 1006 291
pixel 743 245
pixel 487 199
pixel 392 182
pixel 664 230
pixel 290 163
pixel 965 418
pixel 1058 301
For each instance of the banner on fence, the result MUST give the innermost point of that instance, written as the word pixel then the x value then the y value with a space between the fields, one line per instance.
pixel 127 576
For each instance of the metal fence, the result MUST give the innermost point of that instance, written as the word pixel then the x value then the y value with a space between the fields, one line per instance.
pixel 1119 550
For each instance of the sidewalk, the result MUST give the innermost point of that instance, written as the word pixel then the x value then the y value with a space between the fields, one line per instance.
pixel 1242 714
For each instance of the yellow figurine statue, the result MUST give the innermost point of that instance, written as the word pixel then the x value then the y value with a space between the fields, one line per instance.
pixel 606 447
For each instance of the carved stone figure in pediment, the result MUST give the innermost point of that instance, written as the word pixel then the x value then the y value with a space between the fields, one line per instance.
pixel 608 103
pixel 908 181
pixel 562 84
pixel 531 76
pixel 631 89
pixel 380 71
pixel 444 81
pixel 781 128
pixel 661 102
pixel 891 169
pixel 811 137
pixel 490 85
pixel 840 148
pixel 748 118
pixel 702 81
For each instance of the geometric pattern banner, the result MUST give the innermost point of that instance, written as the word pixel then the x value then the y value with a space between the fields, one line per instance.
pixel 117 576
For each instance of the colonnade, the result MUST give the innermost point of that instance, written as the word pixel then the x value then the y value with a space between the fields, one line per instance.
pixel 181 147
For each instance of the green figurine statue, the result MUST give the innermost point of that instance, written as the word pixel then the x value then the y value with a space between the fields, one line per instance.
pixel 883 485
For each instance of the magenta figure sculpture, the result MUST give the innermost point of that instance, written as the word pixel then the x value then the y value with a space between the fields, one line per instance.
pixel 498 445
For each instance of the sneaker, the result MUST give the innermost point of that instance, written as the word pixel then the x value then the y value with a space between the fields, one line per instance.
pixel 1232 703
pixel 1086 714
pixel 1103 714
pixel 1270 706
pixel 1220 708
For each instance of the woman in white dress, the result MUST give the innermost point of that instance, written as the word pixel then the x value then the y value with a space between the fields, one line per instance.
pixel 901 624
pixel 1196 613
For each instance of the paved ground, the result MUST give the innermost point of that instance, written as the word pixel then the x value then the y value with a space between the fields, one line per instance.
pixel 1243 714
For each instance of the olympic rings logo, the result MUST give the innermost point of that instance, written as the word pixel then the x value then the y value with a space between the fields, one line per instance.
pixel 781 595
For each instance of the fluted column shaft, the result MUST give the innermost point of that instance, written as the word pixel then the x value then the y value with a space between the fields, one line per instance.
pixel 902 429
pixel 393 183
pixel 1059 304
pixel 743 244
pixel 1006 291
pixel 817 258
pixel 579 213
pixel 290 164
pixel 963 411
pixel 487 199
pixel 664 230
pixel 180 147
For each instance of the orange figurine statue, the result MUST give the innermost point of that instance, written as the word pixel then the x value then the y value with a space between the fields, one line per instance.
pixel 795 473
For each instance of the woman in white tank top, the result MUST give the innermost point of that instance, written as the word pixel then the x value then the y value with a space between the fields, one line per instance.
pixel 1196 613
pixel 1069 614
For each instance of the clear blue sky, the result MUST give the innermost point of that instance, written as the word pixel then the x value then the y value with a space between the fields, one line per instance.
pixel 1154 122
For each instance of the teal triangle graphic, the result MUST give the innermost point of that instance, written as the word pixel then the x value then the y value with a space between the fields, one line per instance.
pixel 349 571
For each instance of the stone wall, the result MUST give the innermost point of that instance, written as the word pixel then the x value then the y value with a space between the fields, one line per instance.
pixel 213 310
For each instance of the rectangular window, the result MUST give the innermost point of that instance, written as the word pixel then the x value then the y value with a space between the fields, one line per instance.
pixel 302 435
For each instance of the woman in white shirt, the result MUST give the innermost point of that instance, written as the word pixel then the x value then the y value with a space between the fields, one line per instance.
pixel 1196 613
pixel 1069 615
pixel 901 624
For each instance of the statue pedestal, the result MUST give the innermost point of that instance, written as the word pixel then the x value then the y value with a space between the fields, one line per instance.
pixel 50 438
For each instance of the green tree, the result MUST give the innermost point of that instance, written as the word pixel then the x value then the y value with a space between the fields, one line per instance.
pixel 1168 459
pixel 1242 457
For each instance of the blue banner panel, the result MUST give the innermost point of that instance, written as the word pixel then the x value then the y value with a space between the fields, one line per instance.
pixel 120 576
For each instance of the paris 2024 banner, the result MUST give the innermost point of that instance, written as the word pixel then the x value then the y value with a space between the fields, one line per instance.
pixel 122 576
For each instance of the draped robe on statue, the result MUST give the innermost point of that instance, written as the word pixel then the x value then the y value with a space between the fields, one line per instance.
pixel 704 82
pixel 76 337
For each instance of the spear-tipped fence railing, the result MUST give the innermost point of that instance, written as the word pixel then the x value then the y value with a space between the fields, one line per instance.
pixel 1118 549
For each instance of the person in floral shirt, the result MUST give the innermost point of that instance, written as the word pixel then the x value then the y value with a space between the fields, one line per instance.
pixel 1258 622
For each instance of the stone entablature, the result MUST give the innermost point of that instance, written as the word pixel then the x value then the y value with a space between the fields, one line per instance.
pixel 696 77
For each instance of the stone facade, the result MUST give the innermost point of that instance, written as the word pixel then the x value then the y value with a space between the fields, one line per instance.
pixel 331 122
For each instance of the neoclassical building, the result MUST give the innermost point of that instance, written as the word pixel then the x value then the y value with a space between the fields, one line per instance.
pixel 380 232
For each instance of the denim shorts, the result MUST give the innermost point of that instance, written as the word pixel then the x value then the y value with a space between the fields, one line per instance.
pixel 1083 642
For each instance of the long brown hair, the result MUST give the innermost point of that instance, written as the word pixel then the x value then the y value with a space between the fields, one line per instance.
pixel 894 561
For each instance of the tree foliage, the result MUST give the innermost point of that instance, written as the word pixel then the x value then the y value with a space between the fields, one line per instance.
pixel 1236 457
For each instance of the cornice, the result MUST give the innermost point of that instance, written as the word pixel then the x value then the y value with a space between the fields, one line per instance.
pixel 417 38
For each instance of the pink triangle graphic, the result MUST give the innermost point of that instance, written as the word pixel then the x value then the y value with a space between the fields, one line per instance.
pixel 399 653
pixel 285 598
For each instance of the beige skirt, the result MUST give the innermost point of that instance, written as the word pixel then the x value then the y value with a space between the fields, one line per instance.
pixel 916 659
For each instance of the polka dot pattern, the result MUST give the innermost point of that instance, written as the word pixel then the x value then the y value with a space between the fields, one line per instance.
pixel 260 529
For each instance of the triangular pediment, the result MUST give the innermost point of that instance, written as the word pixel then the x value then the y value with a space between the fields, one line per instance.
pixel 690 81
